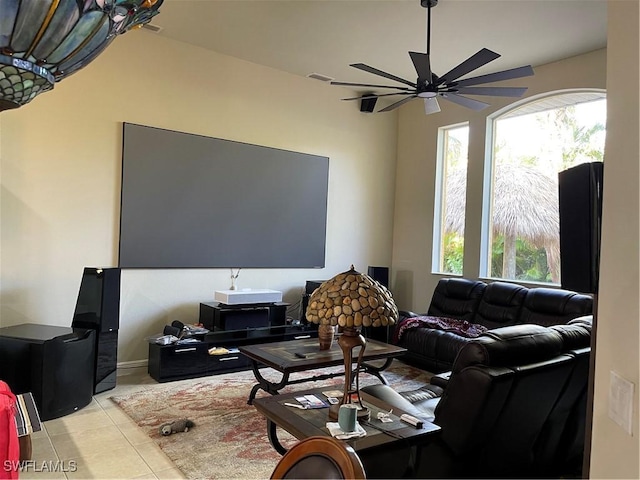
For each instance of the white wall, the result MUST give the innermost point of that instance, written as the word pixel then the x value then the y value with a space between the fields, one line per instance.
pixel 416 170
pixel 616 453
pixel 60 177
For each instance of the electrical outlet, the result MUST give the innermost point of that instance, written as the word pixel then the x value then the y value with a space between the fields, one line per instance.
pixel 621 401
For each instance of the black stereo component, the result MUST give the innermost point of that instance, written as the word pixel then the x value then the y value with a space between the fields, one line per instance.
pixel 219 316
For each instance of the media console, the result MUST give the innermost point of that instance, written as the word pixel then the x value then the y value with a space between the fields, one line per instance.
pixel 191 360
pixel 230 326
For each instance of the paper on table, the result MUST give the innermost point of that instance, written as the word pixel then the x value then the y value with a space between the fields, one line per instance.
pixel 336 431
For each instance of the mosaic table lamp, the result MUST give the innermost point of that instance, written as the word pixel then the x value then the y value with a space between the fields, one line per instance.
pixel 351 300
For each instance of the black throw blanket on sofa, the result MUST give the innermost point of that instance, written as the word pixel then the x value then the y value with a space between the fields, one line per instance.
pixel 460 327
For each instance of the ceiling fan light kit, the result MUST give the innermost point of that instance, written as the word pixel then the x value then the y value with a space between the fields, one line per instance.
pixel 430 86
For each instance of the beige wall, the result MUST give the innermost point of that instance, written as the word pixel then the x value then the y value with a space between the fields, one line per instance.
pixel 415 175
pixel 616 453
pixel 60 173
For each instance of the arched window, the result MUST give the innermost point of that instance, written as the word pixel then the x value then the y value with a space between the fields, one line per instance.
pixel 529 144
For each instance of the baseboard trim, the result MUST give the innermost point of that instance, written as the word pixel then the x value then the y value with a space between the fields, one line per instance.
pixel 132 367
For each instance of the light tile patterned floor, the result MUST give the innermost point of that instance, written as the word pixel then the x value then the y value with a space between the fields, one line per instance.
pixel 99 441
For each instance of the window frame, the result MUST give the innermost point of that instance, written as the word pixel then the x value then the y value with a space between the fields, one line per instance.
pixel 486 233
pixel 439 201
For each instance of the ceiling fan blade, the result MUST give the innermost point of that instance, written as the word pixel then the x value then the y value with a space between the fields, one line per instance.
pixel 481 58
pixel 347 84
pixel 492 91
pixel 375 95
pixel 464 101
pixel 431 105
pixel 422 65
pixel 397 104
pixel 519 72
pixel 375 71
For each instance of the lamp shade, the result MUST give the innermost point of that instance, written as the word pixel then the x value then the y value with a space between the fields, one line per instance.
pixel 44 41
pixel 352 300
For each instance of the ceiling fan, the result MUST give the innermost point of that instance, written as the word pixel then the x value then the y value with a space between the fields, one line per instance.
pixel 430 86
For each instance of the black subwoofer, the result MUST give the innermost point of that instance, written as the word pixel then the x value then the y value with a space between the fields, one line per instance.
pixel 56 364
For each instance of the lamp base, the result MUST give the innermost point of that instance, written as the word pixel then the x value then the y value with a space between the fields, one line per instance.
pixel 363 413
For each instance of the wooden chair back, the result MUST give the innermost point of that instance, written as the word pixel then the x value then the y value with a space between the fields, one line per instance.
pixel 319 457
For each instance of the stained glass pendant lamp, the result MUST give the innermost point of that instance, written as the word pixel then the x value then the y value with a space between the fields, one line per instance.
pixel 44 41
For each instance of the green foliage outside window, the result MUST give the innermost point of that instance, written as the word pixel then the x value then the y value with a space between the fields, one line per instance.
pixel 453 253
pixel 531 262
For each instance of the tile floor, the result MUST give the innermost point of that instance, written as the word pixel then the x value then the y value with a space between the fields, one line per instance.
pixel 99 441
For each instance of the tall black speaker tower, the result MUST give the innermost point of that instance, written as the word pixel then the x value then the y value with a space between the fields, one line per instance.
pixel 380 275
pixel 98 309
pixel 580 204
pixel 383 334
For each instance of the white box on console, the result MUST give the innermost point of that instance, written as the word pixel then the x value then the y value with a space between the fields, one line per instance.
pixel 247 295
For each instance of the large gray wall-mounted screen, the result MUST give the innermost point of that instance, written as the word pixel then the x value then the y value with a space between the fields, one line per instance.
pixel 190 201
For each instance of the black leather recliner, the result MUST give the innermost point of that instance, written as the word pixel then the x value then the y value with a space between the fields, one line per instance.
pixel 512 407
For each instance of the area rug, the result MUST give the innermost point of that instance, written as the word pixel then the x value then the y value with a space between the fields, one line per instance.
pixel 229 439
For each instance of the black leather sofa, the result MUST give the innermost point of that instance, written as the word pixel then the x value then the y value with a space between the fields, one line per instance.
pixel 486 306
pixel 514 405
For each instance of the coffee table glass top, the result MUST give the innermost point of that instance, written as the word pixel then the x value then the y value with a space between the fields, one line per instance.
pixel 305 354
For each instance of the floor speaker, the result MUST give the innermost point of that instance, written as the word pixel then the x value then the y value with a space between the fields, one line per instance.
pixel 380 275
pixel 580 210
pixel 309 288
pixel 383 334
pixel 98 309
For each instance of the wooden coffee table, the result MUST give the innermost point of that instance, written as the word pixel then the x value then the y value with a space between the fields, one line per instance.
pixel 304 355
pixel 306 423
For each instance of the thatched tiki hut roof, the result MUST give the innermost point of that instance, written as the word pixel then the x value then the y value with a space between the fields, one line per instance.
pixel 525 205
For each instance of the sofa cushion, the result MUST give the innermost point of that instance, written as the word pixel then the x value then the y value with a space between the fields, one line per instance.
pixel 500 304
pixel 512 345
pixel 456 298
pixel 440 346
pixel 548 306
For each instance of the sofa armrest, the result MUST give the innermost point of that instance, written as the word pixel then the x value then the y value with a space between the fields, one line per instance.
pixel 441 380
pixel 394 399
pixel 402 314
